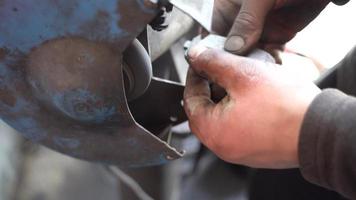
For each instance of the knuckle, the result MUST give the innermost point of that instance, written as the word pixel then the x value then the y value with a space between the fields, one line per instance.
pixel 250 73
pixel 208 57
pixel 196 105
pixel 201 61
pixel 187 95
pixel 208 63
pixel 190 107
pixel 247 22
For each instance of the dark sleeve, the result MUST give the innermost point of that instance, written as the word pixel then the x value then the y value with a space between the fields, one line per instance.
pixel 327 145
pixel 340 2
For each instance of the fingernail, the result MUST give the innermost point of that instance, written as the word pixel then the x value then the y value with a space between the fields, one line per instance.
pixel 195 51
pixel 234 43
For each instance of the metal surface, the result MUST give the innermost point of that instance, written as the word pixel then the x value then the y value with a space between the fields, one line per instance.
pixel 160 106
pixel 137 70
pixel 179 25
pixel 61 80
pixel 26 24
pixel 200 10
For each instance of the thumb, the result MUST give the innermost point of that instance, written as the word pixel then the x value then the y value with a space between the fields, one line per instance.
pixel 248 26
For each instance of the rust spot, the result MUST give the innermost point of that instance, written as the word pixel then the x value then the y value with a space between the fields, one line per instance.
pixel 149 4
pixel 7 98
pixel 129 15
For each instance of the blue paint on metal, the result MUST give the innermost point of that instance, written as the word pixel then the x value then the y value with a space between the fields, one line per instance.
pixel 82 105
pixel 16 113
pixel 8 83
pixel 66 142
pixel 21 105
pixel 28 127
pixel 144 8
pixel 5 74
pixel 30 25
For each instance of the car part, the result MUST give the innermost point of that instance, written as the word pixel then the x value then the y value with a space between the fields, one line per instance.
pixel 62 80
pixel 137 69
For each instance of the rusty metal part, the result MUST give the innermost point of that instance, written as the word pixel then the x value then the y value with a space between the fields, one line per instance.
pixel 61 78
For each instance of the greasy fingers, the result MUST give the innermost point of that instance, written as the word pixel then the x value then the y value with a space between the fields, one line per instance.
pixel 248 26
pixel 197 100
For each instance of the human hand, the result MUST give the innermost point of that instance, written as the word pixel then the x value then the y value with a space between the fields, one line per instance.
pixel 257 124
pixel 268 24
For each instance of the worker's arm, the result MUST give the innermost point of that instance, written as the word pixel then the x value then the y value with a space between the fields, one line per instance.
pixel 328 136
pixel 268 24
pixel 327 146
pixel 262 122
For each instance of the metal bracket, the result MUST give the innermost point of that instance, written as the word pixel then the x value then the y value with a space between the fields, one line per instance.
pixel 200 10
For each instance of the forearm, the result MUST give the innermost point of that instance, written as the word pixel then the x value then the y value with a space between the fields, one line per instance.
pixel 327 150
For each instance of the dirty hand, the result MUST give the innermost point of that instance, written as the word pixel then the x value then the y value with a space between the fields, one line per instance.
pixel 266 23
pixel 257 124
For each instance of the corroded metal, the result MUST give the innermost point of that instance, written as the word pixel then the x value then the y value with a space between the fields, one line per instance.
pixel 61 80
